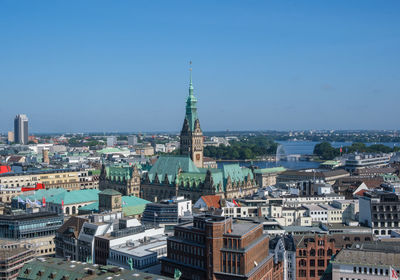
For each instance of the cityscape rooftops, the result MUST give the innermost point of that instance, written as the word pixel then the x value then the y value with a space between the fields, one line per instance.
pixel 53 268
pixel 371 253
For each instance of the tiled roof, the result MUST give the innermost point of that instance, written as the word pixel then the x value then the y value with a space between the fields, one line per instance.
pixel 361 192
pixel 212 201
pixel 74 222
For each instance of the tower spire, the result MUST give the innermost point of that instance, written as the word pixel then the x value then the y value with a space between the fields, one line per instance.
pixel 190 84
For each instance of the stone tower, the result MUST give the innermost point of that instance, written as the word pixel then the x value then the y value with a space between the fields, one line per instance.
pixel 191 135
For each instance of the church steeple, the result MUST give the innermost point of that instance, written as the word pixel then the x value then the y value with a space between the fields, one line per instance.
pixel 191 134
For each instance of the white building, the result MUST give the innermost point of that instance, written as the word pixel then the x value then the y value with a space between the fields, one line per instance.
pixel 111 141
pixel 140 253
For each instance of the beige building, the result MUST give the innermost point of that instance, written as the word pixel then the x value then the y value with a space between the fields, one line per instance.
pixel 7 193
pixel 66 179
pixel 10 137
pixel 267 176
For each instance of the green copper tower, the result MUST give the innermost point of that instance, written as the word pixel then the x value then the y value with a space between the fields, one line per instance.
pixel 191 143
pixel 191 105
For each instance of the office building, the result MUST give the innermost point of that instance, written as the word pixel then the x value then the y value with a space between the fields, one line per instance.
pixel 36 229
pixel 369 261
pixel 380 211
pixel 360 161
pixel 21 129
pixel 111 141
pixel 12 260
pixel 132 140
pixel 214 247
pixel 167 212
pixel 141 253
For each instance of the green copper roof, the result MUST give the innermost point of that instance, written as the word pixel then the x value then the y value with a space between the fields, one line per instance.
pixel 270 170
pixel 58 195
pixel 169 165
pixel 74 197
pixel 191 107
pixel 131 205
pixel 236 172
pixel 119 172
pixel 112 151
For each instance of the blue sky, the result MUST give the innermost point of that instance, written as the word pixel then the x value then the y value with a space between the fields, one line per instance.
pixel 80 66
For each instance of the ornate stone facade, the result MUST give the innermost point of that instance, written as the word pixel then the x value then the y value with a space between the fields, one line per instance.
pixel 178 176
pixel 124 179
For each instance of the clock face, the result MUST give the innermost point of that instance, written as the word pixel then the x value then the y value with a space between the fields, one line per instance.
pixel 198 157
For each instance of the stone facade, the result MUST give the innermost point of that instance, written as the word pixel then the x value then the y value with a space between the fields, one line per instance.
pixel 124 179
pixel 230 182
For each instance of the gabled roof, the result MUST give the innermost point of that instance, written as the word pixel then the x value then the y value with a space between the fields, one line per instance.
pixel 212 201
pixel 75 223
pixel 236 173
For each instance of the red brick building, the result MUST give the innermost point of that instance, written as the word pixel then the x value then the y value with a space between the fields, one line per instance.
pixel 218 248
pixel 314 252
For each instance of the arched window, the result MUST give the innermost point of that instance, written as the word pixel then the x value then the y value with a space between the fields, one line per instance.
pixel 304 253
pixel 312 252
pixel 73 210
pixel 302 263
pixel 67 210
pixel 329 253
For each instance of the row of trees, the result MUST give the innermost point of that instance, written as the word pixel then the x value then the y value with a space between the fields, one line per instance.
pixel 248 148
pixel 325 150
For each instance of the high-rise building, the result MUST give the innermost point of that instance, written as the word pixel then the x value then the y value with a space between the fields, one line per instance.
pixel 21 129
pixel 10 137
pixel 111 141
pixel 132 140
pixel 191 142
pixel 46 158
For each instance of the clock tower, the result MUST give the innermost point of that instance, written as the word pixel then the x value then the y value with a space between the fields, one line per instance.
pixel 191 142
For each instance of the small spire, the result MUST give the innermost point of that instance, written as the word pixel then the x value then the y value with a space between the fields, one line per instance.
pixel 190 84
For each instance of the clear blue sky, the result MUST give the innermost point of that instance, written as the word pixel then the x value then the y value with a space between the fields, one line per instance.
pixel 80 66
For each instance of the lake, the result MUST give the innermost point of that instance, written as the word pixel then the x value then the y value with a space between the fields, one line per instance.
pixel 302 148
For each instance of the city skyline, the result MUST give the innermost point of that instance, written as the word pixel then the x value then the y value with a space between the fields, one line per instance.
pixel 266 66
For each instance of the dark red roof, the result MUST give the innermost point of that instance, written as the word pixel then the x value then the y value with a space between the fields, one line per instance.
pixel 5 169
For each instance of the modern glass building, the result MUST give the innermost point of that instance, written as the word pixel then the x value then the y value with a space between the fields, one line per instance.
pixel 21 129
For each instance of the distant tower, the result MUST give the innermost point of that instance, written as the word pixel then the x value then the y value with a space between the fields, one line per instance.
pixel 21 129
pixel 46 158
pixel 191 142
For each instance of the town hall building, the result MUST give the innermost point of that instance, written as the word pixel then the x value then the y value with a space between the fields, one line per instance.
pixel 185 174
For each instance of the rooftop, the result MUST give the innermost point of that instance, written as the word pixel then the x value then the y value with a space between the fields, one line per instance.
pixel 57 269
pixel 371 253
